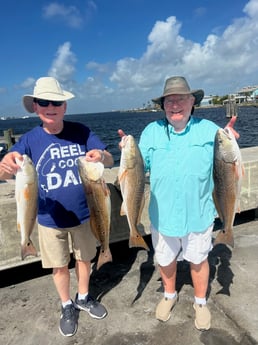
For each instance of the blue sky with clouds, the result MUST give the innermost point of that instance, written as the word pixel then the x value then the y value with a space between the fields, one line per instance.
pixel 116 54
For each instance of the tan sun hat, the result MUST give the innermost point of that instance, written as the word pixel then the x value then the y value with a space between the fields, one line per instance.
pixel 46 88
pixel 179 86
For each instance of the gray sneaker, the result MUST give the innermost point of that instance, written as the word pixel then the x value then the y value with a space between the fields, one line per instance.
pixel 68 321
pixel 94 308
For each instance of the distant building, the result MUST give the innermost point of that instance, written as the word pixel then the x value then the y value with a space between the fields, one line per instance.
pixel 247 90
pixel 206 101
pixel 254 95
pixel 248 93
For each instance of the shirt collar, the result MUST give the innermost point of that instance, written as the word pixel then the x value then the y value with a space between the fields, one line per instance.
pixel 185 130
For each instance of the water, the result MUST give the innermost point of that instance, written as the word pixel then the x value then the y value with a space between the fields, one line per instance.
pixel 107 124
pixel 246 124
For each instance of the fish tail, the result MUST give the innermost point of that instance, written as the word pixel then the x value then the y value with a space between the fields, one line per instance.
pixel 137 241
pixel 225 237
pixel 104 257
pixel 28 249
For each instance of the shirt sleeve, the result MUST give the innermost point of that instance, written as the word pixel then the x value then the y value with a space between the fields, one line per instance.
pixel 144 148
pixel 21 146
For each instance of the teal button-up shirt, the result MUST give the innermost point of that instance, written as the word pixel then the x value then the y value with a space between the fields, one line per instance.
pixel 181 182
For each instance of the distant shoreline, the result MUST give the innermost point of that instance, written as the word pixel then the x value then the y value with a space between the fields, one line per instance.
pixel 208 106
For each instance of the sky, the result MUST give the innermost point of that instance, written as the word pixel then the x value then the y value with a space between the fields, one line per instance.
pixel 117 54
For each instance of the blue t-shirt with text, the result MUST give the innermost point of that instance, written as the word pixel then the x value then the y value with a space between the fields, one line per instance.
pixel 62 202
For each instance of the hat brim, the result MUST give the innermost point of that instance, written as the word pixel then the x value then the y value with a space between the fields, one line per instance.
pixel 198 95
pixel 28 99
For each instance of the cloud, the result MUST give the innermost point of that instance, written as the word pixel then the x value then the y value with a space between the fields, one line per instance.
pixel 200 12
pixel 68 14
pixel 29 82
pixel 99 68
pixel 251 8
pixel 221 64
pixel 63 66
pixel 218 64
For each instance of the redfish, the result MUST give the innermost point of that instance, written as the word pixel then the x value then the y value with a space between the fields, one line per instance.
pixel 99 203
pixel 26 195
pixel 228 172
pixel 131 179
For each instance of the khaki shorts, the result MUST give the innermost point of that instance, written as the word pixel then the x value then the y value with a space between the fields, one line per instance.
pixel 193 247
pixel 55 249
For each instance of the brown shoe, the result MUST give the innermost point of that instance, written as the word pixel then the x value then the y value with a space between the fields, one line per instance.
pixel 164 308
pixel 202 317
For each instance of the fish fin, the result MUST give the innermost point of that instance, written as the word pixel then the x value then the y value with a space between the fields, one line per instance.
pixel 243 170
pixel 225 237
pixel 122 176
pixel 122 210
pixel 141 209
pixel 217 207
pixel 104 257
pixel 105 188
pixel 238 206
pixel 28 249
pixel 236 170
pixel 26 193
pixel 93 226
pixel 137 241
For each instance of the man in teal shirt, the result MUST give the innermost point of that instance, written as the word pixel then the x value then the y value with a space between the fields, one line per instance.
pixel 180 166
pixel 178 154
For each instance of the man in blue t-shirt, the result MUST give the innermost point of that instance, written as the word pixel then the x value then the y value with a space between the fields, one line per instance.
pixel 54 148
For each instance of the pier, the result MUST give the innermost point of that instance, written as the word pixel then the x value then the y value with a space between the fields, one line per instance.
pixel 231 108
pixel 130 286
pixel 10 238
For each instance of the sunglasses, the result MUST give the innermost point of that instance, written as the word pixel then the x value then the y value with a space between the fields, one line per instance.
pixel 45 102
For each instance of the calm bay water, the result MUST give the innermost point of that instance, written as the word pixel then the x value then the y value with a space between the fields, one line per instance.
pixel 107 124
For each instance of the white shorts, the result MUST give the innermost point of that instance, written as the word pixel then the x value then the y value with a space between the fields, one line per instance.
pixel 193 247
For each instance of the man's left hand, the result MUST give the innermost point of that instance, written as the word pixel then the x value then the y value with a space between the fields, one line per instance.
pixel 230 125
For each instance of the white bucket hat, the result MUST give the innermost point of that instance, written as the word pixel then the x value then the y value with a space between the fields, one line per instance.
pixel 46 88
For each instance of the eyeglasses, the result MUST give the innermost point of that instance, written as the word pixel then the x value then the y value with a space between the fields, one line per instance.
pixel 178 99
pixel 45 102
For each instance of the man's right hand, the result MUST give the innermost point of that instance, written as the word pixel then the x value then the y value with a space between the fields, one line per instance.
pixel 8 165
pixel 121 134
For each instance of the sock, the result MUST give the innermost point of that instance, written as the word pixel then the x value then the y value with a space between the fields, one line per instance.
pixel 169 295
pixel 82 295
pixel 64 304
pixel 199 300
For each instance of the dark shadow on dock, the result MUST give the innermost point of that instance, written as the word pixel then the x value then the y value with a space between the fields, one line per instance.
pixel 112 273
pixel 219 260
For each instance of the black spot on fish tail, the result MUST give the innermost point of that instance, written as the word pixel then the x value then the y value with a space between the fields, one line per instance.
pixel 28 249
pixel 225 237
pixel 138 241
pixel 104 257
